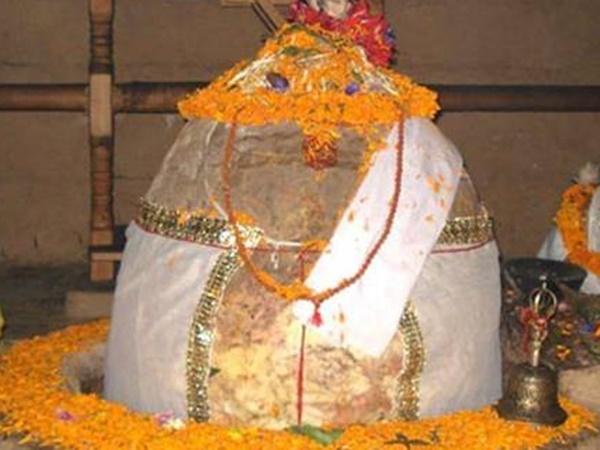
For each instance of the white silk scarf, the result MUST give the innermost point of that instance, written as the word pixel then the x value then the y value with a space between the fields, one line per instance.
pixel 365 316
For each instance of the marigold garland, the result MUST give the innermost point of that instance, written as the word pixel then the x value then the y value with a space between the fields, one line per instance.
pixel 317 79
pixel 571 222
pixel 35 404
pixel 297 290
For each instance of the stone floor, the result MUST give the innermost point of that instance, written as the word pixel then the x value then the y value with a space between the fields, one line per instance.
pixel 33 303
pixel 33 299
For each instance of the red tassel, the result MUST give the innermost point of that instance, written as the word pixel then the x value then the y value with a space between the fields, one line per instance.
pixel 316 319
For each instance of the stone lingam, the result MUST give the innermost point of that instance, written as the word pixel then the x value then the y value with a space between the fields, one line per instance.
pixel 312 250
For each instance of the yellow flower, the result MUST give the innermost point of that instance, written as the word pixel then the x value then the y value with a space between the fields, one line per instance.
pixel 32 391
pixel 316 99
pixel 570 220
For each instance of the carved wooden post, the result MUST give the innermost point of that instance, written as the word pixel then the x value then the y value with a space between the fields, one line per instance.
pixel 101 134
pixel 268 14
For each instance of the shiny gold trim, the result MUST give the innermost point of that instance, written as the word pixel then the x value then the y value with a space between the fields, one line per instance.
pixel 191 227
pixel 201 335
pixel 206 231
pixel 197 228
pixel 467 230
pixel 413 362
pixel 203 230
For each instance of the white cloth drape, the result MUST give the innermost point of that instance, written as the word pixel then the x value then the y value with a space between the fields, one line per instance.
pixel 158 288
pixel 457 301
pixel 365 316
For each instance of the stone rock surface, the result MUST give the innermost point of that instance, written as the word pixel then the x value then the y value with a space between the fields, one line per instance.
pixel 590 444
pixel 84 372
pixel 582 386
pixel 88 305
pixel 9 444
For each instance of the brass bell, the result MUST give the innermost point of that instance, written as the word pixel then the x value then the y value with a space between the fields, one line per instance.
pixel 532 392
pixel 532 396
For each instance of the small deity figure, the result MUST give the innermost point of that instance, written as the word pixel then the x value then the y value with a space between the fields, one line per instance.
pixel 351 18
pixel 337 9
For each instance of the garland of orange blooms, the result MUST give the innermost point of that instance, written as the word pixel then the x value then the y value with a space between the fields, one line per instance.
pixel 297 290
pixel 571 219
pixel 35 406
pixel 318 97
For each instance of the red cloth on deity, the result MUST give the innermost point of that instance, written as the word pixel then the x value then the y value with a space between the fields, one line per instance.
pixel 372 32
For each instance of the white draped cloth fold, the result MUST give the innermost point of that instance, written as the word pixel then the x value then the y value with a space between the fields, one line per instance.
pixel 365 316
pixel 158 288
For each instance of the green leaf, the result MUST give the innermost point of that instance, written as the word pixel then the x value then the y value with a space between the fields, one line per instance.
pixel 357 76
pixel 292 50
pixel 299 27
pixel 317 434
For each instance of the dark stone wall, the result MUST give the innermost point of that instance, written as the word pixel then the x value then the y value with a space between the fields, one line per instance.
pixel 521 162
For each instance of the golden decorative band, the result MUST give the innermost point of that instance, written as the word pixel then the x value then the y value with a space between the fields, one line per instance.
pixel 467 230
pixel 200 229
pixel 205 230
pixel 201 336
pixel 191 227
pixel 413 362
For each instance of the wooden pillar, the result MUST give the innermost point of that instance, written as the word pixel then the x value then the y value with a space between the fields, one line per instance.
pixel 101 134
pixel 268 14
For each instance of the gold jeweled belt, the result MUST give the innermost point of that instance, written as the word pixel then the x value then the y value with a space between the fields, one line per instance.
pixel 204 230
pixel 202 333
pixel 191 227
pixel 467 230
pixel 170 223
pixel 413 361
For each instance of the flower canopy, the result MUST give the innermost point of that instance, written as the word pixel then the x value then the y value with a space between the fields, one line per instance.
pixel 315 78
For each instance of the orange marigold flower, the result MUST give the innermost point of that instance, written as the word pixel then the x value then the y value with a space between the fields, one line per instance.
pixel 570 220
